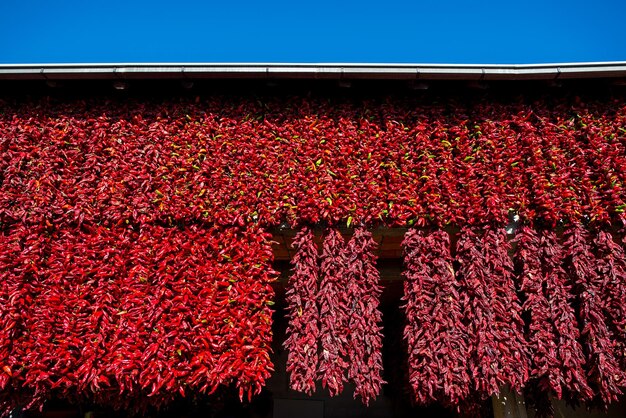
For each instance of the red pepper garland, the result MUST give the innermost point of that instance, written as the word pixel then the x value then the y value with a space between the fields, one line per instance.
pixel 621 350
pixel 606 153
pixel 436 335
pixel 498 349
pixel 22 252
pixel 603 371
pixel 131 319
pixel 75 312
pixel 558 361
pixel 335 305
pixel 364 351
pixel 231 162
pixel 303 313
pixel 612 268
pixel 348 315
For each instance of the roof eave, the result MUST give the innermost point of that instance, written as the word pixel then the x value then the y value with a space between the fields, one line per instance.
pixel 130 71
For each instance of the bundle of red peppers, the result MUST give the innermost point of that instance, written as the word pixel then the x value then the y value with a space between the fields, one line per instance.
pixel 465 332
pixel 304 329
pixel 132 318
pixel 238 160
pixel 334 298
pixel 135 266
pixel 436 331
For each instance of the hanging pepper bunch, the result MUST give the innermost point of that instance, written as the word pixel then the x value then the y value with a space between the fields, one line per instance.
pixel 133 318
pixel 603 370
pixel 343 315
pixel 582 278
pixel 558 362
pixel 435 331
pixel 364 348
pixel 226 161
pixel 303 313
pixel 335 305
pixel 22 253
pixel 499 353
pixel 612 267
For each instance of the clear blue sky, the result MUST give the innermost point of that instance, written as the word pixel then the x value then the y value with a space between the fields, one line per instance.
pixel 388 31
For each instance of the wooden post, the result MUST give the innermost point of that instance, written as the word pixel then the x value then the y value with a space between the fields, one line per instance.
pixel 508 404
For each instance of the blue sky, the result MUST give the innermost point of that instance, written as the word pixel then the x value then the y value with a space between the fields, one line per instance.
pixel 389 31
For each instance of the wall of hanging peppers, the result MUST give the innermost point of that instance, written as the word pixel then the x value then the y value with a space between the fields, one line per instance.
pixel 135 263
pixel 132 317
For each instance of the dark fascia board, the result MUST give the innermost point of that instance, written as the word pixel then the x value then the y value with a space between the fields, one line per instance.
pixel 473 72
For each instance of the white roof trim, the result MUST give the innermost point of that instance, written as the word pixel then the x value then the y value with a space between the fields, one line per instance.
pixel 313 71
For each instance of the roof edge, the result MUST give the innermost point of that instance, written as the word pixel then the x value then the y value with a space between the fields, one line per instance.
pixel 129 71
